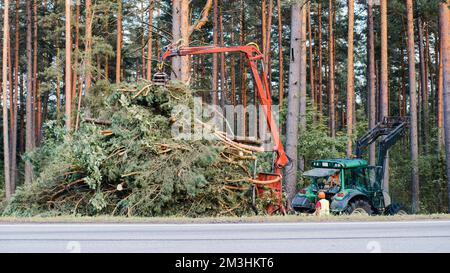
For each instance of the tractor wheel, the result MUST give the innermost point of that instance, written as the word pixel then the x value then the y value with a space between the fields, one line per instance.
pixel 396 209
pixel 359 207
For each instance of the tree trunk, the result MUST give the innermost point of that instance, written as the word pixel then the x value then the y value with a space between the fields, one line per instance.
pixel 294 98
pixel 76 52
pixel 6 152
pixel 22 117
pixel 184 33
pixel 88 45
pixel 215 64
pixel 413 108
pixel 119 42
pixel 384 85
pixel 243 71
pixel 233 70
pixel 29 142
pixel 423 85
pixel 331 98
pixel 384 80
pixel 372 80
pixel 311 59
pixel 58 83
pixel 14 171
pixel 444 25
pixel 350 77
pixel 68 91
pixel 150 40
pixel 440 98
pixel 35 60
pixel 320 80
pixel 223 83
pixel 280 57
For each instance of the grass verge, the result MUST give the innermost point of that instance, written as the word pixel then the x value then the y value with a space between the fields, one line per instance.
pixel 212 220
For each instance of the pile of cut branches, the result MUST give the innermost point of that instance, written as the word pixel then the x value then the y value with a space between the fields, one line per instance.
pixel 123 160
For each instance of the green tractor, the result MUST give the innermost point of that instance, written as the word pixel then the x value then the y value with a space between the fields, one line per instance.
pixel 351 185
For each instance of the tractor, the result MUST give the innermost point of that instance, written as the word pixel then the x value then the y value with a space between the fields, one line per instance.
pixel 351 185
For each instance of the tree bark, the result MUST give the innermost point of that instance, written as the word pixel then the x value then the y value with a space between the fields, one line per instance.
pixel 444 21
pixel 423 85
pixel 440 98
pixel 384 86
pixel 223 81
pixel 150 40
pixel 350 77
pixel 184 31
pixel 215 64
pixel 413 108
pixel 320 72
pixel 88 45
pixel 6 152
pixel 14 171
pixel 311 58
pixel 280 57
pixel 119 42
pixel 295 95
pixel 29 134
pixel 331 98
pixel 68 91
pixel 372 79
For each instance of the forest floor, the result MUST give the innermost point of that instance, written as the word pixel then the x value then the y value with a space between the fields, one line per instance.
pixel 209 220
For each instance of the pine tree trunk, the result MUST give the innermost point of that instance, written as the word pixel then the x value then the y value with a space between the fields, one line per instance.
pixel 215 68
pixel 371 76
pixel 68 91
pixel 423 85
pixel 150 40
pixel 6 152
pixel 384 88
pixel 58 83
pixel 444 25
pixel 311 58
pixel 413 108
pixel 119 42
pixel 185 66
pixel 294 98
pixel 320 72
pixel 14 171
pixel 223 84
pixel 22 116
pixel 29 134
pixel 331 87
pixel 350 77
pixel 88 45
pixel 35 61
pixel 440 98
pixel 233 70
pixel 243 71
pixel 280 57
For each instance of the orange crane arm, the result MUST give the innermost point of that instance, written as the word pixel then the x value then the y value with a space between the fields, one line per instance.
pixel 253 54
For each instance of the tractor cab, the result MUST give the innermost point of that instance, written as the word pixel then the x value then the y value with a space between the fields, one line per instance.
pixel 341 180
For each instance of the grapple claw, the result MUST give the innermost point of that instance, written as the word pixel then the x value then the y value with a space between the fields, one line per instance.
pixel 160 79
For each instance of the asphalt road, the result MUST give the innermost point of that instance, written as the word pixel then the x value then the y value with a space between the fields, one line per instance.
pixel 412 236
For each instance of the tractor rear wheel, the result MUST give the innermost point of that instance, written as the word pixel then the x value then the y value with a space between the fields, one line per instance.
pixel 396 209
pixel 359 207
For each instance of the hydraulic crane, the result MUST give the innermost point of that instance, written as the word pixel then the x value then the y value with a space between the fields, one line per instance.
pixel 253 55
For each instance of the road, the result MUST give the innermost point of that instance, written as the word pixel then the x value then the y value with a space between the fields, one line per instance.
pixel 411 236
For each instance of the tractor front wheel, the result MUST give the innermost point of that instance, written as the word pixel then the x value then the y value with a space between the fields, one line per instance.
pixel 359 207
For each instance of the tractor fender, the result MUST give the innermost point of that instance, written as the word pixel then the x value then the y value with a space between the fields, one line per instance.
pixel 338 204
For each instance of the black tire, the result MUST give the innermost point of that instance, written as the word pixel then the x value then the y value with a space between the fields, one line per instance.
pixel 396 209
pixel 359 206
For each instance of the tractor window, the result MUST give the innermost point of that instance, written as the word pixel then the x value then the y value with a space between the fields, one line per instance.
pixel 356 178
